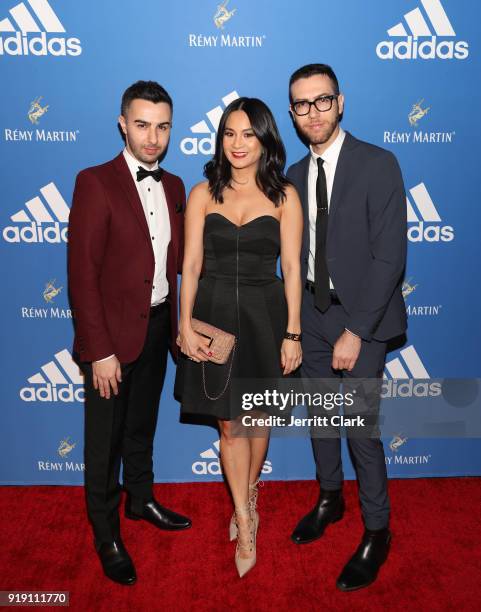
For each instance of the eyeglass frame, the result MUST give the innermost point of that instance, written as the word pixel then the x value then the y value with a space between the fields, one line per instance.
pixel 331 97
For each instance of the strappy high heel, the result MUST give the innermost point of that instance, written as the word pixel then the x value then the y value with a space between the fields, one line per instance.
pixel 253 493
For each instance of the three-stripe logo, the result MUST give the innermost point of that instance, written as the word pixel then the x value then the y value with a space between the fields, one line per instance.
pixel 407 376
pixel 39 19
pixel 206 145
pixel 58 380
pixel 407 364
pixel 425 224
pixel 44 222
pixel 420 35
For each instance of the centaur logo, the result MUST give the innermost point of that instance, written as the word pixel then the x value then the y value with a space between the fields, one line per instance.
pixel 211 464
pixel 427 225
pixel 397 458
pixel 39 20
pixel 60 380
pixel 65 447
pixel 419 40
pixel 396 443
pixel 206 145
pixel 414 310
pixel 46 225
pixel 406 376
pixel 416 135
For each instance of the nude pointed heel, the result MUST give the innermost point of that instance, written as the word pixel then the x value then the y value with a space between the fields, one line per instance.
pixel 245 564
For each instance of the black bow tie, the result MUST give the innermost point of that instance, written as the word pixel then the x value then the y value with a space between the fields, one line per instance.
pixel 155 174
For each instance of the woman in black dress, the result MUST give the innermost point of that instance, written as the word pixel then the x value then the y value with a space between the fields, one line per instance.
pixel 236 226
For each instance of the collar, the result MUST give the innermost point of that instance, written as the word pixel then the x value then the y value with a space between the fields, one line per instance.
pixel 331 154
pixel 133 164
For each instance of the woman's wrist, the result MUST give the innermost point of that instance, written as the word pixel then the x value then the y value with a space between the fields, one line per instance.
pixel 296 337
pixel 294 327
pixel 185 324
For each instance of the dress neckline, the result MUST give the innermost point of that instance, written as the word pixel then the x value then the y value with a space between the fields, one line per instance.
pixel 243 224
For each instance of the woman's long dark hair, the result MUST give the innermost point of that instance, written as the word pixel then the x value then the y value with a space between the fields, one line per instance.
pixel 270 173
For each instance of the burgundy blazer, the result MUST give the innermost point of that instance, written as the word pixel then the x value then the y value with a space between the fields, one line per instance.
pixel 111 261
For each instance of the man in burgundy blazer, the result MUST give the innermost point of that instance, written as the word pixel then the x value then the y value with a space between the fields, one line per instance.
pixel 125 250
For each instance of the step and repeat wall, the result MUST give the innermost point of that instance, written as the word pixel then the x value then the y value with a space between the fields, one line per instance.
pixel 409 70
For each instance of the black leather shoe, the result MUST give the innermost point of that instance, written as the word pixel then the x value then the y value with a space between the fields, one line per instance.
pixel 329 509
pixel 116 562
pixel 362 568
pixel 157 515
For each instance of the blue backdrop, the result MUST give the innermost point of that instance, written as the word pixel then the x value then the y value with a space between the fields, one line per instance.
pixel 410 72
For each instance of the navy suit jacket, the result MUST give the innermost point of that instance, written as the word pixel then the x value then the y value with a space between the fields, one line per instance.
pixel 366 237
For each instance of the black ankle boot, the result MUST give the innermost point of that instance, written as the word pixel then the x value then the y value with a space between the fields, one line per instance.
pixel 362 568
pixel 329 509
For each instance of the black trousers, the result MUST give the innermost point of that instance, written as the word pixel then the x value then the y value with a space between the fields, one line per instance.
pixel 320 331
pixel 121 429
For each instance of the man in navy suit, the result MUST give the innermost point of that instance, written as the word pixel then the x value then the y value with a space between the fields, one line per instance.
pixel 353 259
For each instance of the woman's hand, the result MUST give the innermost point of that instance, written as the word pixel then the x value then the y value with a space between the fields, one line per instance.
pixel 193 345
pixel 291 356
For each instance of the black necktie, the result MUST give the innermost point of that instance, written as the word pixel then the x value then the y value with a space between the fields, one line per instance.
pixel 155 174
pixel 322 298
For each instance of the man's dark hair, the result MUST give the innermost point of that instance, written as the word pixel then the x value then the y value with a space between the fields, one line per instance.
pixel 310 70
pixel 144 90
pixel 270 174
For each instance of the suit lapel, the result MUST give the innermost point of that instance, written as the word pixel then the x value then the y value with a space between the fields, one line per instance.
pixel 340 177
pixel 128 187
pixel 304 193
pixel 305 184
pixel 171 206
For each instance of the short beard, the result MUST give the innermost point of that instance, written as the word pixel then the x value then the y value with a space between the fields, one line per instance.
pixel 320 139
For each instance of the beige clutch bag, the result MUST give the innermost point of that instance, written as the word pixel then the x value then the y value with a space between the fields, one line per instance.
pixel 221 343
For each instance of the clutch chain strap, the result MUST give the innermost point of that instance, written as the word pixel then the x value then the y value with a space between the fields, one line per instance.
pixel 216 397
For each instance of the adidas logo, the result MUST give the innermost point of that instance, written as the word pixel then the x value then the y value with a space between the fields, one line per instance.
pixel 428 28
pixel 423 228
pixel 39 20
pixel 60 380
pixel 412 361
pixel 402 375
pixel 211 464
pixel 206 145
pixel 43 224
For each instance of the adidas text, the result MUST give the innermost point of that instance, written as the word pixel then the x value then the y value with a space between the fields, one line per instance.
pixel 201 468
pixel 193 146
pixel 411 48
pixel 35 233
pixel 20 44
pixel 410 388
pixel 419 232
pixel 52 393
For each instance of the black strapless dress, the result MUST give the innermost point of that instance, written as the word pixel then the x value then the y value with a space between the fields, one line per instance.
pixel 241 293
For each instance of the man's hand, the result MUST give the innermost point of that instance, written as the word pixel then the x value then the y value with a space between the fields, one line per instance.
pixel 107 374
pixel 346 351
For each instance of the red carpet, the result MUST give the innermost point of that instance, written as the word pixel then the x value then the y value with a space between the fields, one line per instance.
pixel 435 561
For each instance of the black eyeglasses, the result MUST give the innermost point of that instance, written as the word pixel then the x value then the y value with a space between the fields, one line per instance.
pixel 322 104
